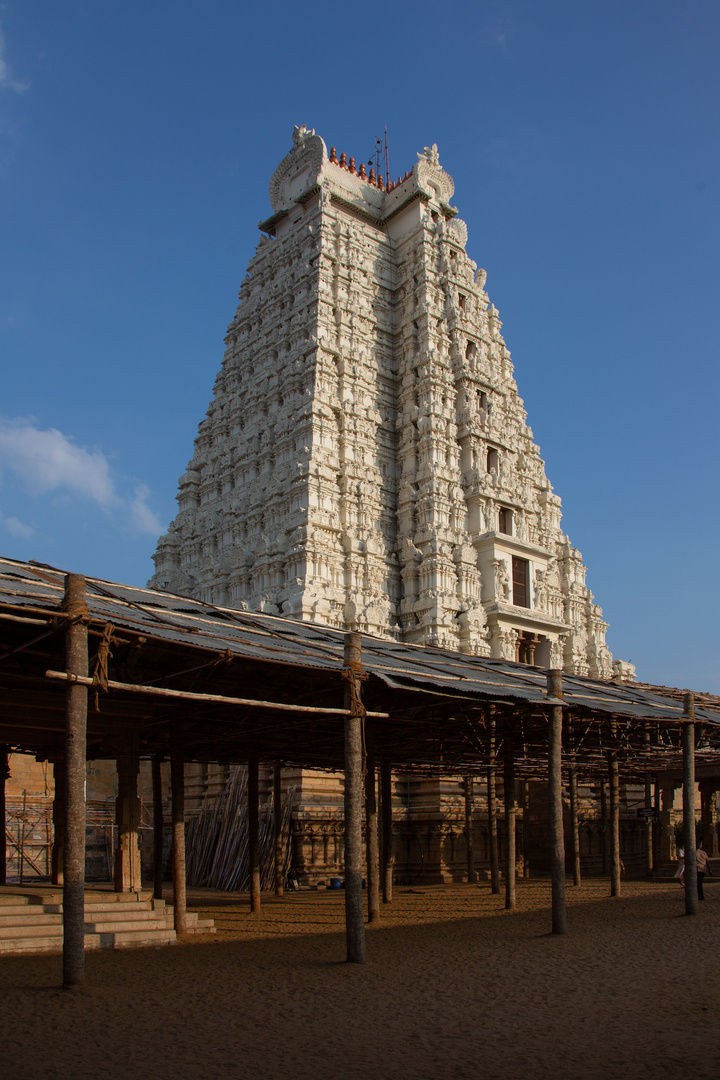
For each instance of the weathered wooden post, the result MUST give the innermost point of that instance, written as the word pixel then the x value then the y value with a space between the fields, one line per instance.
pixel 387 830
pixel 4 774
pixel 688 746
pixel 656 823
pixel 509 799
pixel 557 831
pixel 57 857
pixel 614 789
pixel 648 819
pixel 253 800
pixel 158 826
pixel 354 920
pixel 469 853
pixel 177 789
pixel 76 664
pixel 277 831
pixel 574 824
pixel 372 850
pixel 128 810
pixel 492 815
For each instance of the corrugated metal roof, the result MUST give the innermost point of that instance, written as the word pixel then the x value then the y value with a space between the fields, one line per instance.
pixel 269 638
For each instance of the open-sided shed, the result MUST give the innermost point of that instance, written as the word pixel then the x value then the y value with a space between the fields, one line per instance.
pixel 99 669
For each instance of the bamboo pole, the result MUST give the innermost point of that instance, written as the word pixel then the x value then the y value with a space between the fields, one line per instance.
pixel 574 824
pixel 354 921
pixel 76 662
pixel 688 746
pixel 492 815
pixel 372 853
pixel 557 830
pixel 158 826
pixel 177 783
pixel 469 853
pixel 279 862
pixel 509 798
pixel 614 790
pixel 387 830
pixel 187 695
pixel 253 803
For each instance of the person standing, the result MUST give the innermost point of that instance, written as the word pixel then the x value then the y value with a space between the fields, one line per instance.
pixel 703 868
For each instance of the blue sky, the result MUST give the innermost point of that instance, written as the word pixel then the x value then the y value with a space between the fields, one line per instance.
pixel 136 144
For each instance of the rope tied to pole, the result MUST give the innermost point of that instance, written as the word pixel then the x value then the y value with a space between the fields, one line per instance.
pixel 100 662
pixel 355 675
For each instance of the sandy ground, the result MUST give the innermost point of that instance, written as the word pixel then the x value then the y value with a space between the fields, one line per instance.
pixel 454 987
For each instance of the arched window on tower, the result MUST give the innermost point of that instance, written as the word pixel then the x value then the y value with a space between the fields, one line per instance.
pixel 505 521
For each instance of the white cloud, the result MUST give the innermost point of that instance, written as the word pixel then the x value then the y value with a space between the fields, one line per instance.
pixel 6 79
pixel 50 461
pixel 142 517
pixel 16 527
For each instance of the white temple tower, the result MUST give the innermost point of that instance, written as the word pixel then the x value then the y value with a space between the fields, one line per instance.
pixel 366 461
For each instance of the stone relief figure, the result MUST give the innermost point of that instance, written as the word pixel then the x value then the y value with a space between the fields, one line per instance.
pixel 430 155
pixel 502 580
pixel 541 590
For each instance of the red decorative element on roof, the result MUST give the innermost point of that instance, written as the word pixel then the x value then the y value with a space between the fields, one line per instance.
pixel 368 177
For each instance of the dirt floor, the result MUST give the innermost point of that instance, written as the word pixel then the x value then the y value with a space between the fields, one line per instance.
pixel 454 987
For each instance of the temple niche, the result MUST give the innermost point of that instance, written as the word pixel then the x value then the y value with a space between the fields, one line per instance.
pixel 366 461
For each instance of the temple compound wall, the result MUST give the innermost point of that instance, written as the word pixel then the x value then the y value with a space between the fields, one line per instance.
pixel 366 461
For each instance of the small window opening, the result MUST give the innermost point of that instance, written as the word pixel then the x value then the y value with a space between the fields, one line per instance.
pixel 520 582
pixel 461 300
pixel 492 460
pixel 505 521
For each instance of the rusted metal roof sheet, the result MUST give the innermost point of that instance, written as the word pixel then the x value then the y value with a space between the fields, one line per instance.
pixel 268 638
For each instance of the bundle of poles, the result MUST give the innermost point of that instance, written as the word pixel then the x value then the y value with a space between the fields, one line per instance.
pixel 218 839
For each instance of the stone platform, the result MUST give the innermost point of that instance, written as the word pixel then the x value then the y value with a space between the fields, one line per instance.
pixel 31 919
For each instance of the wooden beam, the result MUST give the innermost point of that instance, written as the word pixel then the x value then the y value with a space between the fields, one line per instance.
pixel 372 852
pixel 219 699
pixel 253 805
pixel 158 828
pixel 177 783
pixel 277 831
pixel 492 815
pixel 387 830
pixel 76 661
pixel 557 832
pixel 469 853
pixel 354 921
pixel 509 797
pixel 688 744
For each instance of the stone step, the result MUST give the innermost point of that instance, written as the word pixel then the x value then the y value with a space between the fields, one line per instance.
pixel 31 930
pixel 19 917
pixel 11 900
pixel 129 939
pixel 52 943
pixel 144 926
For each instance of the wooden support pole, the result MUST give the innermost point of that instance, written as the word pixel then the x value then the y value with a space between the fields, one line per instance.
pixel 253 802
pixel 614 789
pixel 557 830
pixel 648 806
pixel 509 798
pixel 469 853
pixel 387 830
pixel 656 823
pixel 372 851
pixel 177 789
pixel 574 825
pixel 354 920
pixel 277 831
pixel 128 810
pixel 158 828
pixel 76 663
pixel 492 815
pixel 4 774
pixel 688 747
pixel 57 860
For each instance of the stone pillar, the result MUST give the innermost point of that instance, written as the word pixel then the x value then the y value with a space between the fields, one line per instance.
pixel 58 815
pixel 667 845
pixel 128 875
pixel 709 816
pixel 158 828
